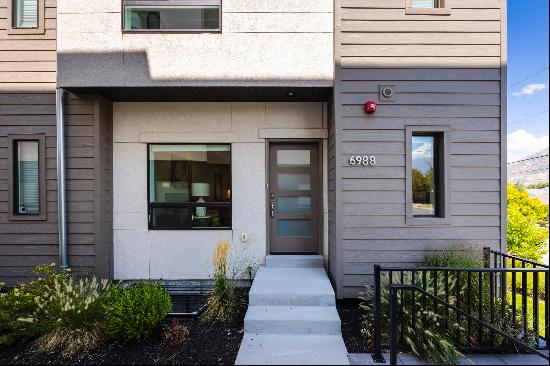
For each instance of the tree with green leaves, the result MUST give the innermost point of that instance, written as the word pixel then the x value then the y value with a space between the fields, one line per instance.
pixel 527 224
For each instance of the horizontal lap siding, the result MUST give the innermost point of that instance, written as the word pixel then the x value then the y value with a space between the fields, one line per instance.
pixel 27 106
pixel 27 61
pixel 445 71
pixel 24 245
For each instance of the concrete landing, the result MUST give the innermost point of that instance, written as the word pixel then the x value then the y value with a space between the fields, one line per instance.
pixel 292 317
pixel 295 261
pixel 295 349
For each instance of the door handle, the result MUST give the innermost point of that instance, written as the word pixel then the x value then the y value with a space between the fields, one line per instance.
pixel 272 205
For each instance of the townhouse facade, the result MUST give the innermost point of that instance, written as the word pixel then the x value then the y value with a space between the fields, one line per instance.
pixel 178 123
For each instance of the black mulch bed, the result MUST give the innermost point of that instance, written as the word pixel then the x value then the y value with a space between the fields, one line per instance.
pixel 208 344
pixel 350 315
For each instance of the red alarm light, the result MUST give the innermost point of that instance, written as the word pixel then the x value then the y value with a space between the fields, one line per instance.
pixel 370 106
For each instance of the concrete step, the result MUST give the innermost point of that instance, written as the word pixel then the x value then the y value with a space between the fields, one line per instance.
pixel 292 349
pixel 292 320
pixel 295 261
pixel 291 287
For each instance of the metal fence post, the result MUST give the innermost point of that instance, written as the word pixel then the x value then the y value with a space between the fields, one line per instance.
pixel 486 257
pixel 377 316
pixel 393 326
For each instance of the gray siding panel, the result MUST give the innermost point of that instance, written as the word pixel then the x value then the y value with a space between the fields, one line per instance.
pixel 24 245
pixel 445 71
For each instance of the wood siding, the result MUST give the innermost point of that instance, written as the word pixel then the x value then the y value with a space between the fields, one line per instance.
pixel 27 61
pixel 446 71
pixel 25 244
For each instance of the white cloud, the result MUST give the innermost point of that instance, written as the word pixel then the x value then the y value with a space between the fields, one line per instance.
pixel 530 89
pixel 422 151
pixel 521 143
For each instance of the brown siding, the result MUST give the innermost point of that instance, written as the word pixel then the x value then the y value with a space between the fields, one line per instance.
pixel 24 245
pixel 27 106
pixel 446 70
pixel 27 61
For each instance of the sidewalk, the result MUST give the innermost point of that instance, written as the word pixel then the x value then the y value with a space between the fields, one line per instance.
pixel 491 359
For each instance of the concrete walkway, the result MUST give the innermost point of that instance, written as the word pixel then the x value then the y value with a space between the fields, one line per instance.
pixel 409 359
pixel 292 317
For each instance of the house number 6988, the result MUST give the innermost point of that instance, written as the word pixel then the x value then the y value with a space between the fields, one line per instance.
pixel 362 160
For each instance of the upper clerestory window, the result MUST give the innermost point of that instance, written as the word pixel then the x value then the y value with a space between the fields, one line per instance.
pixel 25 17
pixel 172 15
pixel 424 4
pixel 427 7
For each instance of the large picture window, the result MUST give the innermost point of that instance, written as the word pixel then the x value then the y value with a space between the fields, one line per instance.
pixel 190 186
pixel 172 15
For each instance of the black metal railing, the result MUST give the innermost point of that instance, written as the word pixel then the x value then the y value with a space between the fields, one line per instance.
pixel 394 314
pixel 498 259
pixel 488 309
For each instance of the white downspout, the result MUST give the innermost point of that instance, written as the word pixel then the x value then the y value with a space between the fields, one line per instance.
pixel 61 197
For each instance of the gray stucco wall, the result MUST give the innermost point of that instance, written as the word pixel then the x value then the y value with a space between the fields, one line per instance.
pixel 457 84
pixel 261 43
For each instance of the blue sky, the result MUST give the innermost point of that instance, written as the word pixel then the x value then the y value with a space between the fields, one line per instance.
pixel 527 77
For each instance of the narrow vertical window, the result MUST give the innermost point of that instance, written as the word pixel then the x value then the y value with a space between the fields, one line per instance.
pixel 25 13
pixel 425 173
pixel 424 4
pixel 26 178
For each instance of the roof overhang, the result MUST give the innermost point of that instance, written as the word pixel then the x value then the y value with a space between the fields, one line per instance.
pixel 208 93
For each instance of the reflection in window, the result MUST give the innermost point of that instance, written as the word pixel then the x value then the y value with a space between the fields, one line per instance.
pixel 424 173
pixel 25 13
pixel 424 4
pixel 172 17
pixel 189 186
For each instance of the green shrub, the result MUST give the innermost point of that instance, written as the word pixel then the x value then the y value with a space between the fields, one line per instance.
pixel 18 306
pixel 527 225
pixel 454 259
pixel 223 302
pixel 69 314
pixel 538 185
pixel 132 312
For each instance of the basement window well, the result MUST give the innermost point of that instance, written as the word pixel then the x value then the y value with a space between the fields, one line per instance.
pixel 188 301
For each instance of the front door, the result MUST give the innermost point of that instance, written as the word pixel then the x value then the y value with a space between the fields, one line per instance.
pixel 293 202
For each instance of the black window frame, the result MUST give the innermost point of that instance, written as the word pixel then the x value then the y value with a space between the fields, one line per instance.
pixel 13 188
pixel 437 184
pixel 190 205
pixel 442 182
pixel 170 3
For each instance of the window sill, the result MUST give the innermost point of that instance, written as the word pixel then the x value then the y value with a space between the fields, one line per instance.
pixel 435 11
pixel 170 31
pixel 26 31
pixel 23 218
pixel 192 229
pixel 428 221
